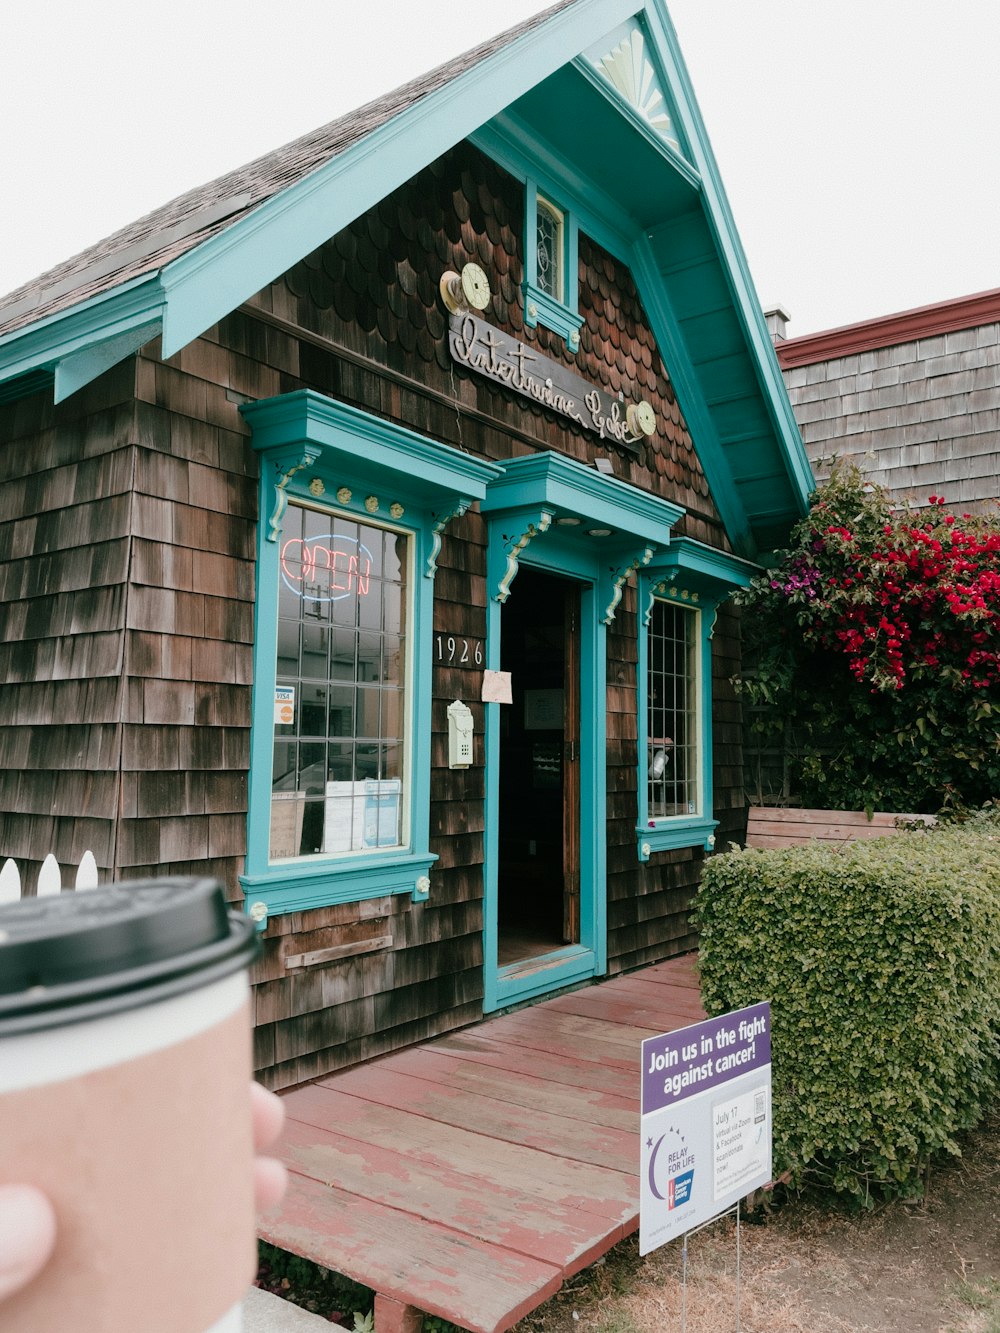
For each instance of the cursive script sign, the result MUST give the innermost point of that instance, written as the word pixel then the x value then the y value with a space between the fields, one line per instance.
pixel 489 352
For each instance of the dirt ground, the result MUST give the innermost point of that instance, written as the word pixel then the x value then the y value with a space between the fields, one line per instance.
pixel 920 1268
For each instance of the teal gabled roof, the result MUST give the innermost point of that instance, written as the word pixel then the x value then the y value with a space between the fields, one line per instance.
pixel 591 95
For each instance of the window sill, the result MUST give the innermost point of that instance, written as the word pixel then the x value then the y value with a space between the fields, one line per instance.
pixel 540 308
pixel 300 886
pixel 665 835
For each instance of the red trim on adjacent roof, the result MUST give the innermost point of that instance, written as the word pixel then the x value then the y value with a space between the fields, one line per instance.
pixel 965 312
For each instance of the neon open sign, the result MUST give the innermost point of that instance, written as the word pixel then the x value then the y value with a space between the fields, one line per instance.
pixel 327 568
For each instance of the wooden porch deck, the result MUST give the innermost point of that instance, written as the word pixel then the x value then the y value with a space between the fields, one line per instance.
pixel 470 1176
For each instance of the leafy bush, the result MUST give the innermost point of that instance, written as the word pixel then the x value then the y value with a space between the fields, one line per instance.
pixel 875 644
pixel 882 965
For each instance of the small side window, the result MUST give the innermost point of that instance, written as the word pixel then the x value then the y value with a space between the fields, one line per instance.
pixel 549 259
pixel 550 287
pixel 673 722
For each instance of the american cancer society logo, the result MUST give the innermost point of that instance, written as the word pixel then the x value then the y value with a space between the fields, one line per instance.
pixel 671 1169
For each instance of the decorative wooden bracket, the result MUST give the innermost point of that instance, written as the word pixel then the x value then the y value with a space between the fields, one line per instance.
pixel 285 473
pixel 441 521
pixel 670 588
pixel 619 577
pixel 514 549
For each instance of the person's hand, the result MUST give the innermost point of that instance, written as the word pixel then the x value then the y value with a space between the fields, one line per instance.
pixel 27 1236
pixel 270 1176
pixel 28 1223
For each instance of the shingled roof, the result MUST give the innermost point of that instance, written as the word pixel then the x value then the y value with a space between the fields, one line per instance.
pixel 153 241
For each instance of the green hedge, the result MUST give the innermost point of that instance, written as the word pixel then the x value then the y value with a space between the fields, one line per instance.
pixel 882 965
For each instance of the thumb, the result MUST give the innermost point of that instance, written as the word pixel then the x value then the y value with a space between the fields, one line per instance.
pixel 27 1236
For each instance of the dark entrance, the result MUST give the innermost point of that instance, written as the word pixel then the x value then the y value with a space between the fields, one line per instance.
pixel 539 826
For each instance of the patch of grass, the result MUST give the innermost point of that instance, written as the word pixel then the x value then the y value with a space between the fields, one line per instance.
pixel 983 1296
pixel 616 1321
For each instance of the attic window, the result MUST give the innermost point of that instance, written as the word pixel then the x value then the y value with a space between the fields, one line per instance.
pixel 549 249
pixel 550 266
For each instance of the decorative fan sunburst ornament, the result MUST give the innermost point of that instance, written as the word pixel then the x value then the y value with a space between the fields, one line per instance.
pixel 635 78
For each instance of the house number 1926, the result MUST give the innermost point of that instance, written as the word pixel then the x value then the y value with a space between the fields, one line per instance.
pixel 452 651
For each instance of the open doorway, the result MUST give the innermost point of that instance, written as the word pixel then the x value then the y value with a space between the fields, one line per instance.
pixel 539 809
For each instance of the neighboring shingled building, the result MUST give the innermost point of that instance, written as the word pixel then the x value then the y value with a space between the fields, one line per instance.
pixel 914 398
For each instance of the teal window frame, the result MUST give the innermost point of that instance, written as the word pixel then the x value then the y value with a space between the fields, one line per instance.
pixel 328 455
pixel 698 579
pixel 561 316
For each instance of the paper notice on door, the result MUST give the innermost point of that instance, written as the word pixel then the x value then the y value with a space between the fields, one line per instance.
pixel 496 687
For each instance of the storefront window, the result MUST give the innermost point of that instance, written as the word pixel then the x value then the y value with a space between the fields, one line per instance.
pixel 339 782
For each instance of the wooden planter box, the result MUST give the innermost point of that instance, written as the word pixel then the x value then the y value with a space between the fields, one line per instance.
pixel 782 826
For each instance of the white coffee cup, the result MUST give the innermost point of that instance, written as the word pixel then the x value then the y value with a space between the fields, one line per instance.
pixel 124 1095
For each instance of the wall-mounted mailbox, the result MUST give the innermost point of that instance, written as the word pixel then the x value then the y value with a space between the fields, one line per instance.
pixel 460 729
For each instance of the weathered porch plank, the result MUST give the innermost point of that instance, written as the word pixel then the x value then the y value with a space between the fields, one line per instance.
pixel 427 1265
pixel 609 1195
pixel 601 1146
pixel 479 1045
pixel 579 1102
pixel 499 1213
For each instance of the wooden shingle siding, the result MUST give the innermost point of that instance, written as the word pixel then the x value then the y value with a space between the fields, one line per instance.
pixel 920 417
pixel 189 636
pixel 65 509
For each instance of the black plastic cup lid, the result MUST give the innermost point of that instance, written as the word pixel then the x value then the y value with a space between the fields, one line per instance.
pixel 77 955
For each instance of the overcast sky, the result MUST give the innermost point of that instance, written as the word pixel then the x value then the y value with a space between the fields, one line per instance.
pixel 856 138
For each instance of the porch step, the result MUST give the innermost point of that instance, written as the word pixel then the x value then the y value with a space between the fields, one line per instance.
pixel 266 1313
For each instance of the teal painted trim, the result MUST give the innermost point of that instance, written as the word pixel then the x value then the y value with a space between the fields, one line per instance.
pixel 657 835
pixel 670 154
pixel 720 217
pixel 496 563
pixel 702 567
pixel 227 268
pixel 135 305
pixel 576 558
pixel 511 143
pixel 561 317
pixel 673 349
pixel 540 308
pixel 34 381
pixel 420 465
pixel 77 370
pixel 303 887
pixel 571 489
pixel 530 230
pixel 574 965
pixel 669 835
pixel 296 436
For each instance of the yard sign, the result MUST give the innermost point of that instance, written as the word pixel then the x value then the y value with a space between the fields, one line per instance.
pixel 706 1121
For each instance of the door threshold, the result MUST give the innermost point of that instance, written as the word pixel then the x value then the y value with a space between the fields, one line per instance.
pixel 537 976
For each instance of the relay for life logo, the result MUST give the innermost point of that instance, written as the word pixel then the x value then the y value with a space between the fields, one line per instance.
pixel 706 1121
pixel 670 1171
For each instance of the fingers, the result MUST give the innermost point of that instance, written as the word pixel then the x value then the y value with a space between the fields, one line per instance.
pixel 268 1113
pixel 270 1176
pixel 27 1235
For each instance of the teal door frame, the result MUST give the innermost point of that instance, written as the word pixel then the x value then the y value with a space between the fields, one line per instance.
pixel 588 958
pixel 568 519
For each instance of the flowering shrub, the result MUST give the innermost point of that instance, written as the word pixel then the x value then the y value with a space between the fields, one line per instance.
pixel 878 637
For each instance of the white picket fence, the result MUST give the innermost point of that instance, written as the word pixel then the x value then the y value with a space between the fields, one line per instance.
pixel 49 877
